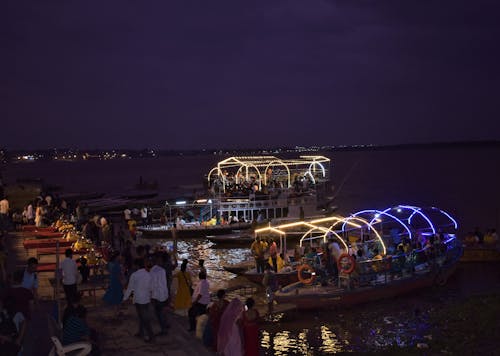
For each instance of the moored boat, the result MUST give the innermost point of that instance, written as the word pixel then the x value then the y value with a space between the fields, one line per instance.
pixel 379 285
pixel 284 277
pixel 237 238
pixel 398 250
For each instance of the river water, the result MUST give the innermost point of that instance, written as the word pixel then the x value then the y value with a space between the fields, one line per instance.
pixel 402 321
pixel 461 180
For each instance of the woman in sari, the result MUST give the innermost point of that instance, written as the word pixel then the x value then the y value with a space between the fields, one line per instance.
pixel 228 337
pixel 184 283
pixel 250 327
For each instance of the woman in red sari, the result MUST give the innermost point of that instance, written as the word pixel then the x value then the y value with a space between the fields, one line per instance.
pixel 250 325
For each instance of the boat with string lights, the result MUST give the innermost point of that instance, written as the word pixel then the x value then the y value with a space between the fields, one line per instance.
pixel 379 254
pixel 248 191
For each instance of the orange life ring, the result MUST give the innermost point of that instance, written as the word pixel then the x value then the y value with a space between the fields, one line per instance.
pixel 341 264
pixel 305 267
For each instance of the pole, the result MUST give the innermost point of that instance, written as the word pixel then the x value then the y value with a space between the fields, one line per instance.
pixel 58 277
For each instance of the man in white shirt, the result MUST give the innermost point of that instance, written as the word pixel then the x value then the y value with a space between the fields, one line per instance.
pixel 69 276
pixel 140 283
pixel 127 214
pixel 200 299
pixel 159 294
pixel 144 214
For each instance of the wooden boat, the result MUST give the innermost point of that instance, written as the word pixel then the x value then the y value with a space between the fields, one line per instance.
pixel 376 285
pixel 284 277
pixel 240 238
pixel 239 268
pixel 481 253
pixel 189 230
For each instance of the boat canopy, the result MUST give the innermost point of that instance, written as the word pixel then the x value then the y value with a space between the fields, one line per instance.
pixel 265 170
pixel 369 225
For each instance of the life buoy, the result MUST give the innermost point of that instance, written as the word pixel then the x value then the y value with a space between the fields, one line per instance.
pixel 346 263
pixel 306 267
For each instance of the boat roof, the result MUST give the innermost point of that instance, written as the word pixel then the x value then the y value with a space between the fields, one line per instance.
pixel 406 219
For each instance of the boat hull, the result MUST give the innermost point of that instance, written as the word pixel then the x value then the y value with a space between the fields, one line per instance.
pixel 225 240
pixel 191 232
pixel 284 278
pixel 319 297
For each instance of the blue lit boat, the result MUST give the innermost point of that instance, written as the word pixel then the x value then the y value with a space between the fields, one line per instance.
pixel 387 275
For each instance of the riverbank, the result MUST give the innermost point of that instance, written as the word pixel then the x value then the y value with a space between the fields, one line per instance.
pixel 116 336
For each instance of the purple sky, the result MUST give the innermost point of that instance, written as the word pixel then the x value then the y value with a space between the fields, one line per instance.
pixel 208 74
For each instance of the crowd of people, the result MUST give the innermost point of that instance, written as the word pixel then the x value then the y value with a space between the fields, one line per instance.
pixel 149 275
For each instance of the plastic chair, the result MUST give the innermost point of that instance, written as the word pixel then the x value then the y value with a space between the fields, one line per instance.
pixel 77 348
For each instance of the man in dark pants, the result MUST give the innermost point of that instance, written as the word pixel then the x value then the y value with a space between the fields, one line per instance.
pixel 201 298
pixel 69 275
pixel 140 283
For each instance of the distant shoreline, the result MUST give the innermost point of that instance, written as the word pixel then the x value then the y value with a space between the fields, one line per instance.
pixel 7 155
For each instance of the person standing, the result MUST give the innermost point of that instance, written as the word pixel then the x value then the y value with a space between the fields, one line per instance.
pixel 30 214
pixel 69 275
pixel 257 249
pixel 140 284
pixel 159 295
pixel 30 278
pixel 249 321
pixel 200 300
pixel 4 216
pixel 114 293
pixel 184 283
pixel 273 252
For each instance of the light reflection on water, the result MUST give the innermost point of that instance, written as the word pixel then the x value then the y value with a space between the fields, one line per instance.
pixel 398 322
pixel 195 249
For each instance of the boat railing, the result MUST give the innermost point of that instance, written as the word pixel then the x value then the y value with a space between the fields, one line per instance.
pixel 389 268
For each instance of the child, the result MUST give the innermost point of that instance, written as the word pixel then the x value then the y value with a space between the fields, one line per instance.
pixel 84 269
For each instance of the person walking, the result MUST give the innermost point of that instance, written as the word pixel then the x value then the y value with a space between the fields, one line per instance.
pixel 200 300
pixel 159 292
pixel 140 284
pixel 69 275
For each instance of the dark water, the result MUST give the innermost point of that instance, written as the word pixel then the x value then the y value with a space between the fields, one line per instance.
pixel 402 321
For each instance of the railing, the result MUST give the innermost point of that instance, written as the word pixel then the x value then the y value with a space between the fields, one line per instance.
pixel 373 272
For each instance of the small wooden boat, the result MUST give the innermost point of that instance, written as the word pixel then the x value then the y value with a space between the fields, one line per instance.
pixel 240 238
pixel 285 277
pixel 239 268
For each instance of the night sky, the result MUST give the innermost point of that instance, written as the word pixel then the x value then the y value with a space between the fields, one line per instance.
pixel 207 74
